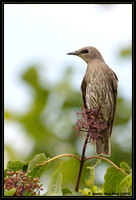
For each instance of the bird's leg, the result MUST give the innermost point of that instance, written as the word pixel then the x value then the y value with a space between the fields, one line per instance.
pixel 82 162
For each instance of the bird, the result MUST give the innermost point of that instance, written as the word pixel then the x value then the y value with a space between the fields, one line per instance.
pixel 99 88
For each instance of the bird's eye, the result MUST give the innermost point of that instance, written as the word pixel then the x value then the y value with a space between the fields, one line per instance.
pixel 85 51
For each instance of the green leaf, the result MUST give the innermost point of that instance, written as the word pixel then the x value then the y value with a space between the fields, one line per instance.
pixel 128 181
pixel 54 187
pixel 66 191
pixel 5 173
pixel 127 178
pixel 36 171
pixel 126 52
pixel 125 166
pixel 31 76
pixel 15 165
pixel 37 159
pixel 74 193
pixel 9 192
pixel 113 178
pixel 25 167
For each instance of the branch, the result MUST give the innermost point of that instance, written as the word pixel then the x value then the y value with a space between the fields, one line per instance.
pixel 81 162
pixel 103 158
pixel 59 156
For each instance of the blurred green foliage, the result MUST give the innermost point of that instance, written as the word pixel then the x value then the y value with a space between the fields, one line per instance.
pixel 126 52
pixel 50 119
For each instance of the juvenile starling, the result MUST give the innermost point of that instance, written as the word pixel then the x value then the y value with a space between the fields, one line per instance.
pixel 99 88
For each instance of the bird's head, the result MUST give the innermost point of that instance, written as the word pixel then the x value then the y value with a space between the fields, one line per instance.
pixel 88 54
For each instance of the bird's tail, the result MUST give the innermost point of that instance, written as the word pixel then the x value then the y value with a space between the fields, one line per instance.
pixel 103 146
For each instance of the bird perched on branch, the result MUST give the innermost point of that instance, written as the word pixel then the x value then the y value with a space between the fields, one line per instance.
pixel 99 88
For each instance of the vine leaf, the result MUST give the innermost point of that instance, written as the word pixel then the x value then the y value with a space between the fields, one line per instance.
pixel 15 166
pixel 9 192
pixel 114 184
pixel 36 171
pixel 125 167
pixel 54 187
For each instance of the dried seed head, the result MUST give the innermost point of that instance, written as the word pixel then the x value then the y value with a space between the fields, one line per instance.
pixel 91 121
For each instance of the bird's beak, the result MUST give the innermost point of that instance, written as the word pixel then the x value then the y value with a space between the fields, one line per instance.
pixel 73 53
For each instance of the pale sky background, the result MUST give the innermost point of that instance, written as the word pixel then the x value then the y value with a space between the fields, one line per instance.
pixel 43 34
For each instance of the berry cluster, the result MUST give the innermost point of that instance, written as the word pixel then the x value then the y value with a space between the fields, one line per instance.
pixel 23 183
pixel 91 122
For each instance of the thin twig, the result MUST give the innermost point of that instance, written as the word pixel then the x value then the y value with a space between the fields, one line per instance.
pixel 103 158
pixel 81 160
pixel 59 156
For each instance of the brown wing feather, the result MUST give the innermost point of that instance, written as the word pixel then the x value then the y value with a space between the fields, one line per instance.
pixel 114 90
pixel 83 90
pixel 103 147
